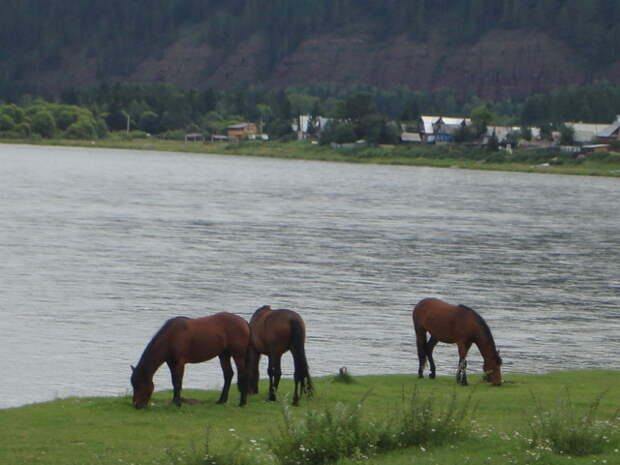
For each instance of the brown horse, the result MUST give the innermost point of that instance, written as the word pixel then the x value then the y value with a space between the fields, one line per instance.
pixel 455 324
pixel 184 340
pixel 272 333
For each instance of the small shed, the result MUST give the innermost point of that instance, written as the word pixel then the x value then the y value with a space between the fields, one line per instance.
pixel 595 148
pixel 194 137
pixel 241 131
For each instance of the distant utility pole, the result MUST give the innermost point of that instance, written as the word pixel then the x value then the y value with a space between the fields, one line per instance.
pixel 128 119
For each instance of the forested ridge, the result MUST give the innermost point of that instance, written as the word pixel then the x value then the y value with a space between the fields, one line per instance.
pixel 113 37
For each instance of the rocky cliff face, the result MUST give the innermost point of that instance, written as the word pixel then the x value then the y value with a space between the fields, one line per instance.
pixel 500 64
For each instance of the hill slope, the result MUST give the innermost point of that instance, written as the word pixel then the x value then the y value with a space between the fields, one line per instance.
pixel 495 48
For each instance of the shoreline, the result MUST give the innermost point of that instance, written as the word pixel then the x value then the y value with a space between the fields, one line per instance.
pixel 167 391
pixel 420 156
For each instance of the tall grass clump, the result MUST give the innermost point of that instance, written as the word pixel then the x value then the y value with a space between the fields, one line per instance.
pixel 323 436
pixel 327 435
pixel 567 431
pixel 344 377
pixel 423 421
pixel 235 454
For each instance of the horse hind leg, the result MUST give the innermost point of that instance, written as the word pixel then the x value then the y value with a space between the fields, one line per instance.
pixel 277 373
pixel 421 345
pixel 243 382
pixel 228 376
pixel 430 346
pixel 271 373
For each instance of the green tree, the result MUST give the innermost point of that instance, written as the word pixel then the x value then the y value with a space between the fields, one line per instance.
pixel 493 143
pixel 481 118
pixel 43 123
pixel 411 111
pixel 357 106
pixel 149 122
pixel 6 122
pixel 344 133
pixel 567 135
pixel 279 128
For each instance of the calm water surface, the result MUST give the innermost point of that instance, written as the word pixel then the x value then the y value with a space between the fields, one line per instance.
pixel 99 247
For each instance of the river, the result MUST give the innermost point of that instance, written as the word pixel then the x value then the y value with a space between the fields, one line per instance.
pixel 99 247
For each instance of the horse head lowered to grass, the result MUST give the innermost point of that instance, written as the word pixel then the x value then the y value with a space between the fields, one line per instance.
pixel 273 332
pixel 184 340
pixel 455 324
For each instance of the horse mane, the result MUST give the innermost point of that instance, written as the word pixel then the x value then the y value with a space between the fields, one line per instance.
pixel 156 340
pixel 485 329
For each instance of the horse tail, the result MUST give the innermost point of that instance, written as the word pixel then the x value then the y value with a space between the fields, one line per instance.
pixel 302 374
pixel 251 369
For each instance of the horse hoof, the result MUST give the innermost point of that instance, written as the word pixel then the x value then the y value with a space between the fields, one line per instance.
pixel 432 376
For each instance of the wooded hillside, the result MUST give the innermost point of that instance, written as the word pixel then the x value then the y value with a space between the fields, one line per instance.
pixel 496 48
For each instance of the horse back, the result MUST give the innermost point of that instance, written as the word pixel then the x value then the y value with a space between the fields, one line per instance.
pixel 446 322
pixel 207 337
pixel 271 334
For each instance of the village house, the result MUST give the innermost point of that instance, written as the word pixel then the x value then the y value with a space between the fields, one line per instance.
pixel 241 131
pixel 585 133
pixel 502 132
pixel 440 128
pixel 426 127
pixel 610 133
pixel 301 125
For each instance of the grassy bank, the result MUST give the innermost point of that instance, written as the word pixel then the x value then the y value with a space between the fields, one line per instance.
pixel 109 430
pixel 419 155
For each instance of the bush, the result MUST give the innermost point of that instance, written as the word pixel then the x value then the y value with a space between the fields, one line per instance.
pixel 81 129
pixel 23 129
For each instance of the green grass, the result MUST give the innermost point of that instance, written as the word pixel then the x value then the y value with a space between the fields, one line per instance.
pixel 108 430
pixel 424 155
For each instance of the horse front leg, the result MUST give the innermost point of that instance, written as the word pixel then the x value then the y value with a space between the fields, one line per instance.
pixel 461 374
pixel 176 373
pixel 228 376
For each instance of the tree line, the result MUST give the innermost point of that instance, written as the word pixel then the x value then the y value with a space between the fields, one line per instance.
pixel 376 115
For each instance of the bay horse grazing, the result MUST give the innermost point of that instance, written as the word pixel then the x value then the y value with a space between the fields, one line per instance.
pixel 272 333
pixel 455 324
pixel 184 340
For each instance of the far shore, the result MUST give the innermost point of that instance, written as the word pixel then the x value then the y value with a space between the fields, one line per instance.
pixel 428 156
